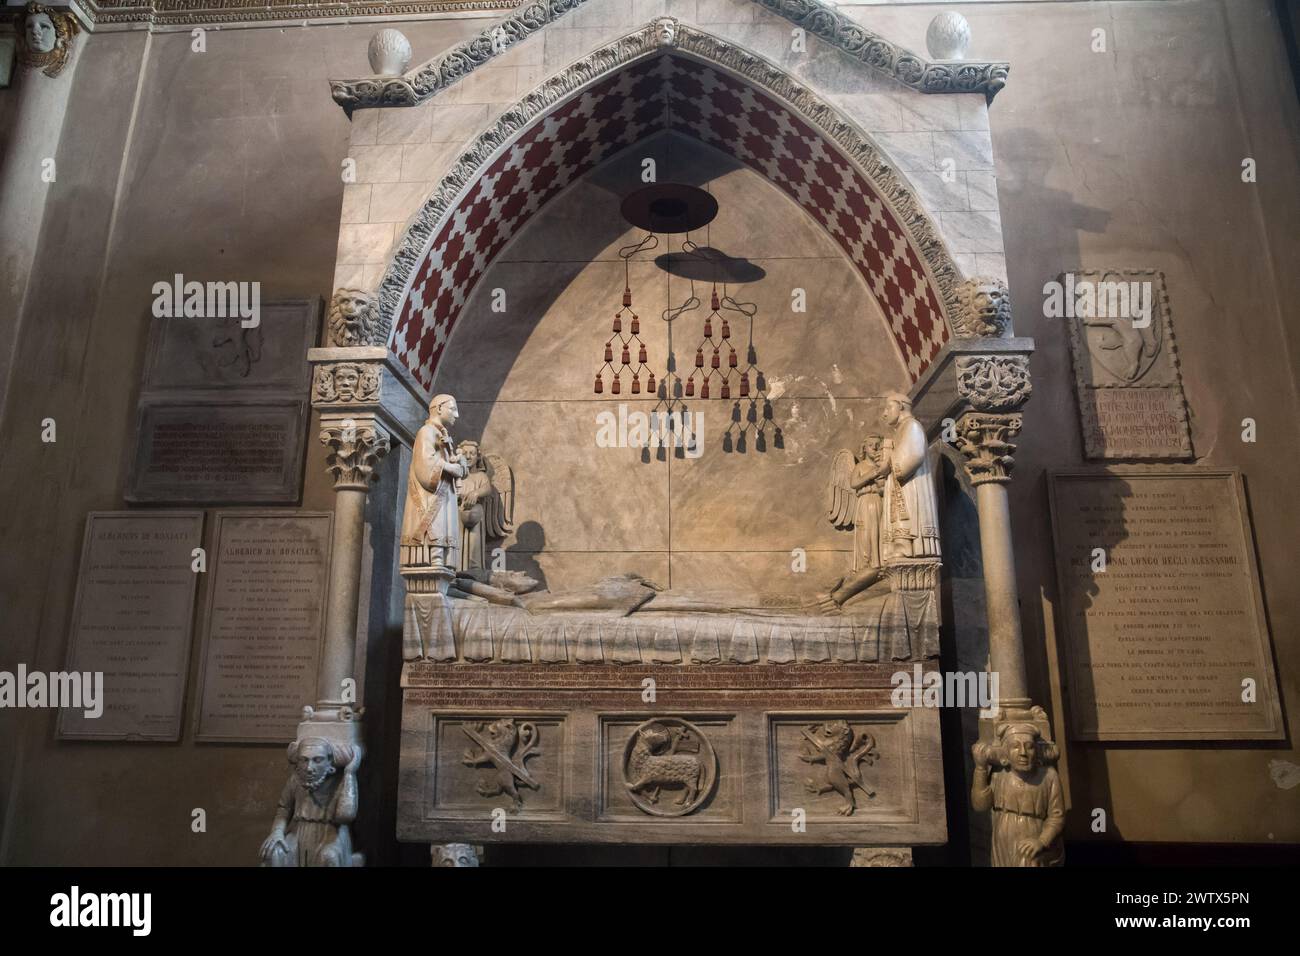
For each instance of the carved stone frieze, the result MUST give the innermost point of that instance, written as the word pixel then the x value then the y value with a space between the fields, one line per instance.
pixel 986 441
pixel 856 145
pixel 355 447
pixel 881 856
pixel 342 383
pixel 994 383
pixel 984 308
pixel 669 753
pixel 169 12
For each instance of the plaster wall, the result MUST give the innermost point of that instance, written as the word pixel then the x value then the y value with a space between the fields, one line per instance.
pixel 229 168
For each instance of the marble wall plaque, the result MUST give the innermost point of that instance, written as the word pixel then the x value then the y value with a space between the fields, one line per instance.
pixel 1158 644
pixel 131 619
pixel 223 409
pixel 263 623
pixel 218 451
pixel 1127 380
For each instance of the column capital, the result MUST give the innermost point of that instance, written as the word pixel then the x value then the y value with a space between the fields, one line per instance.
pixel 986 441
pixel 355 443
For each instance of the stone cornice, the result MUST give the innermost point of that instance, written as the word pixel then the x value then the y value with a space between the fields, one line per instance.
pixel 122 14
pixel 824 22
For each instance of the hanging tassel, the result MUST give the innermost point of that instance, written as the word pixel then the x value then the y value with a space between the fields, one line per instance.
pixel 627 297
pixel 699 357
pixel 636 384
pixel 731 359
pixel 704 389
pixel 690 387
pixel 717 359
pixel 726 330
pixel 618 324
pixel 614 386
pixel 600 386
pixel 636 324
pixel 708 328
pixel 627 356
pixel 726 390
pixel 744 385
pixel 609 352
pixel 650 383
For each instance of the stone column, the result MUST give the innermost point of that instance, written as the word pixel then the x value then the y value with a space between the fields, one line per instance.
pixel 365 403
pixel 355 446
pixel 985 440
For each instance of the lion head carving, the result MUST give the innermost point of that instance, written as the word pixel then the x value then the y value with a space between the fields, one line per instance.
pixel 353 318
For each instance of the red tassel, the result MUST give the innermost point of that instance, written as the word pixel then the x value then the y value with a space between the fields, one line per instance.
pixel 650 383
pixel 716 305
pixel 726 390
pixel 731 359
pixel 708 328
pixel 744 384
pixel 699 357
pixel 704 389
pixel 614 386
pixel 636 385
pixel 600 386
pixel 618 325
pixel 717 359
pixel 636 324
pixel 609 352
pixel 690 387
pixel 627 297
pixel 726 329
pixel 642 359
pixel 627 356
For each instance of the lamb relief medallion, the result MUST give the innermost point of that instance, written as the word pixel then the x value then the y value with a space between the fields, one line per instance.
pixel 665 758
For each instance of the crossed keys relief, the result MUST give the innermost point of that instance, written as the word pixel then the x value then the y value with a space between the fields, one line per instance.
pixel 841 753
pixel 504 746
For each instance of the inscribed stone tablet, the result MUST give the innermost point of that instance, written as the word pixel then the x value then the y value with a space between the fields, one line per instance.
pixel 265 613
pixel 132 621
pixel 1158 644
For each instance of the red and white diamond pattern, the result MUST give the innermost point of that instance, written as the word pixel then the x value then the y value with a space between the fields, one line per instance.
pixel 670 92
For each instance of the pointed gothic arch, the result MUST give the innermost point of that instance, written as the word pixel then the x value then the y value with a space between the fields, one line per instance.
pixel 669 77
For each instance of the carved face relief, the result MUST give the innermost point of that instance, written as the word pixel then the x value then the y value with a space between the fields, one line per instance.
pixel 1022 751
pixel 892 414
pixel 985 307
pixel 871 448
pixel 314 764
pixel 346 379
pixel 454 854
pixel 667 31
pixel 353 319
pixel 46 38
pixel 471 452
pixel 39 30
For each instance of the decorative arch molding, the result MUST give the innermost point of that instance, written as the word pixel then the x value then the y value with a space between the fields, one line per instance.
pixel 554 135
pixel 826 23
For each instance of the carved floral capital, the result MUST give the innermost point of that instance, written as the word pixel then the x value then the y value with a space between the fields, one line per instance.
pixel 355 447
pixel 986 441
pixel 994 383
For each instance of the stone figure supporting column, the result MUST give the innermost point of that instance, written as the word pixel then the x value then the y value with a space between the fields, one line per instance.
pixel 364 404
pixel 1015 774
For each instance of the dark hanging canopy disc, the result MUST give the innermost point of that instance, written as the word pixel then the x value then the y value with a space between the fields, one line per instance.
pixel 669 208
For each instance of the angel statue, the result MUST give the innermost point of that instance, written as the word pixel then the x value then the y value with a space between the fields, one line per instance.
pixel 854 501
pixel 487 500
